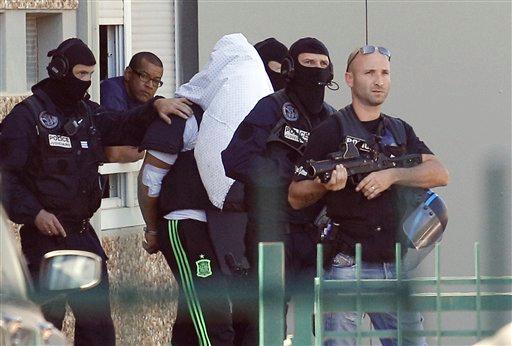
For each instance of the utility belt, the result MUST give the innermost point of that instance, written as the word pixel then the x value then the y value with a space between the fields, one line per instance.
pixel 336 251
pixel 420 227
pixel 301 228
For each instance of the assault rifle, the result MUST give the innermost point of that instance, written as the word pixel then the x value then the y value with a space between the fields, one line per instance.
pixel 355 165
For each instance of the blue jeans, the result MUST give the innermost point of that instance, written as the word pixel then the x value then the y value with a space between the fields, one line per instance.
pixel 347 321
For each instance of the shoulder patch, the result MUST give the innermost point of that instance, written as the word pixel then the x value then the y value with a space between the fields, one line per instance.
pixel 296 135
pixel 48 120
pixel 290 113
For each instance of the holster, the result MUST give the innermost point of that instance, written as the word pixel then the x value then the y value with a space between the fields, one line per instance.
pixel 330 243
pixel 238 269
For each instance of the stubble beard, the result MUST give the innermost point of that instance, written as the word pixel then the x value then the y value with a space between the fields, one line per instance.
pixel 376 99
pixel 370 99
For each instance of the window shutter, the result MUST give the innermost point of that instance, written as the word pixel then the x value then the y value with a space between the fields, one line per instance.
pixel 153 31
pixel 111 12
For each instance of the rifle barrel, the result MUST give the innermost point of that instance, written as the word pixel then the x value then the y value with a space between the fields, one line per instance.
pixel 360 165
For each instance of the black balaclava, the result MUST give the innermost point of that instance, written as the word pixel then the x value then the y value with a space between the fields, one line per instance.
pixel 69 90
pixel 272 50
pixel 309 83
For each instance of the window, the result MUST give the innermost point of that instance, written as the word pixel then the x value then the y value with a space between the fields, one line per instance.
pixel 32 52
pixel 112 65
pixel 112 62
pixel 186 48
pixel 122 178
pixel 43 33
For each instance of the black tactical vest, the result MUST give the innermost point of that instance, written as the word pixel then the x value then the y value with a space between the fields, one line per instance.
pixel 369 222
pixel 287 142
pixel 63 171
pixel 293 128
pixel 182 187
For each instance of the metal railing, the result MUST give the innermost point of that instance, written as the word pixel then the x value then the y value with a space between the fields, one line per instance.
pixel 375 295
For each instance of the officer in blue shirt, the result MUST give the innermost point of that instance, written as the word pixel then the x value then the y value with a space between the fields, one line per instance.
pixel 140 81
pixel 138 85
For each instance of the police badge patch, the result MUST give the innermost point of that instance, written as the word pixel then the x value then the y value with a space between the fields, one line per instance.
pixel 296 135
pixel 47 120
pixel 290 112
pixel 203 267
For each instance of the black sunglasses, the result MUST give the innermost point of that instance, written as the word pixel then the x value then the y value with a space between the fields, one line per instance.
pixel 144 77
pixel 370 50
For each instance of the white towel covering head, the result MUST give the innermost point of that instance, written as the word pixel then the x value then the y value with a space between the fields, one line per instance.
pixel 227 88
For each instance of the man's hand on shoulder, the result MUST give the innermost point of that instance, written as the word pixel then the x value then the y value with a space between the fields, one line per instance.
pixel 175 106
pixel 48 224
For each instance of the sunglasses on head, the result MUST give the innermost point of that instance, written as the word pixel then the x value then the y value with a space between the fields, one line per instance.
pixel 370 50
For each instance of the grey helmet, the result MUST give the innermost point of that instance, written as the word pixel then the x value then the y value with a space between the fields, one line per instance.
pixel 423 224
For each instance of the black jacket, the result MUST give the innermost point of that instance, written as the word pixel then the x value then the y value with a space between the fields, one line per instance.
pixel 45 166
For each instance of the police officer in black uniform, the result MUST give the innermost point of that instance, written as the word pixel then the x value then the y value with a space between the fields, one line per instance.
pixel 272 52
pixel 262 154
pixel 365 210
pixel 51 145
pixel 228 225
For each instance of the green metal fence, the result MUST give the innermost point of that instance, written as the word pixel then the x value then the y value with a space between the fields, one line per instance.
pixel 422 294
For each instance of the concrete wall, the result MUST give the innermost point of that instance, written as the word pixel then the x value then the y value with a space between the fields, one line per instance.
pixel 451 80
